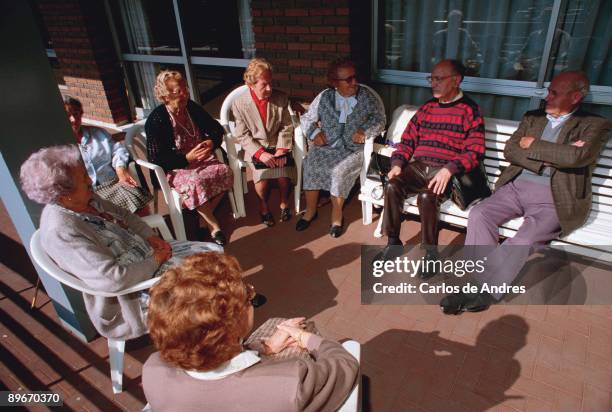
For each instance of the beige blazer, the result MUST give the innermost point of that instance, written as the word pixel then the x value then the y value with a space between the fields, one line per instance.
pixel 268 386
pixel 250 131
pixel 572 166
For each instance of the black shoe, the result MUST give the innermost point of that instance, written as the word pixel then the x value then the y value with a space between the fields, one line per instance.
pixel 258 300
pixel 336 230
pixel 285 214
pixel 428 269
pixel 219 238
pixel 389 252
pixel 267 219
pixel 303 224
pixel 458 303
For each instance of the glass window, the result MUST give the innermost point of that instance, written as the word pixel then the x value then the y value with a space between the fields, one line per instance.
pixel 500 40
pixel 218 28
pixel 583 41
pixel 146 27
pixel 503 107
pixel 214 83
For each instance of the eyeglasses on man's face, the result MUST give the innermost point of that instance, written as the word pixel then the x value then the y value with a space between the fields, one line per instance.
pixel 438 79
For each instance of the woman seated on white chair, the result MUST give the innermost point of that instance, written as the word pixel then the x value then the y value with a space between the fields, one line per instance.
pixel 265 132
pixel 338 122
pixel 107 247
pixel 182 138
pixel 106 163
pixel 200 314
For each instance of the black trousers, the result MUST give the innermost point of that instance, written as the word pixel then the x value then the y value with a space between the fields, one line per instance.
pixel 413 180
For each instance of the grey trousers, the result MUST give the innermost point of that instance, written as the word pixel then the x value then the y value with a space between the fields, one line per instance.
pixel 518 198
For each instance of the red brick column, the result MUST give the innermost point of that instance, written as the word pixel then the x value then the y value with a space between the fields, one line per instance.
pixel 300 38
pixel 85 51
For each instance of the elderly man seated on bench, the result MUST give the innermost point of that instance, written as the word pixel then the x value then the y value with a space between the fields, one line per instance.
pixel 444 137
pixel 552 155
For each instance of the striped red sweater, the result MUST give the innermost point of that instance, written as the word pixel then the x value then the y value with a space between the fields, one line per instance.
pixel 449 135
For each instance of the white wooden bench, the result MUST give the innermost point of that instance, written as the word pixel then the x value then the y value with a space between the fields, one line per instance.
pixel 593 239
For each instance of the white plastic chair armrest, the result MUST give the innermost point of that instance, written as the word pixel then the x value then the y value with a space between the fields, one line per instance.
pixel 352 402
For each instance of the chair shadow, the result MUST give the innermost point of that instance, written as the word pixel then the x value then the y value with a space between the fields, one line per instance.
pixel 439 374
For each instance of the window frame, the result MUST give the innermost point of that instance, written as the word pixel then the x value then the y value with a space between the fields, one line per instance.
pixel 184 59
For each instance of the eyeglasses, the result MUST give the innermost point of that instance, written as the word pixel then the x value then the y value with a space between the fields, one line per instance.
pixel 438 79
pixel 250 289
pixel 349 79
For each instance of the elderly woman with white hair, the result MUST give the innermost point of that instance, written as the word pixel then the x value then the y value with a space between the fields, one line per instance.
pixel 106 246
pixel 182 138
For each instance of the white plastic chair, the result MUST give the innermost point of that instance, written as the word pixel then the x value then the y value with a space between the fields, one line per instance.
pixel 236 154
pixel 116 348
pixel 136 143
pixel 353 402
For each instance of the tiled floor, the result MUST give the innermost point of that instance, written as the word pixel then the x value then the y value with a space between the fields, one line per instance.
pixel 509 358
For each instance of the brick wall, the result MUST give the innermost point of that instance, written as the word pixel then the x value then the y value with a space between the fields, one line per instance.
pixel 301 37
pixel 83 45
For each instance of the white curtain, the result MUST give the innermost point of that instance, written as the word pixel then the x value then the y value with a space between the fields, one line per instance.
pixel 138 34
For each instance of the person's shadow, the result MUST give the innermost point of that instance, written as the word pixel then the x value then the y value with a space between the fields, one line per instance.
pixel 416 368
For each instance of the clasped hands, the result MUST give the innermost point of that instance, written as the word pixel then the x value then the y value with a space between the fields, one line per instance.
pixel 125 177
pixel 358 137
pixel 200 152
pixel 437 184
pixel 273 160
pixel 288 333
pixel 162 251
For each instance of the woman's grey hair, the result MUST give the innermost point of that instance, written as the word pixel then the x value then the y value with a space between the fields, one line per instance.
pixel 47 174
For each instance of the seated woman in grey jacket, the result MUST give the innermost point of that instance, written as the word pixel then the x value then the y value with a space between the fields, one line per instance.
pixel 107 247
pixel 338 122
pixel 200 314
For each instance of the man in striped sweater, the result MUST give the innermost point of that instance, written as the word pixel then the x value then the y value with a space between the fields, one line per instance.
pixel 445 137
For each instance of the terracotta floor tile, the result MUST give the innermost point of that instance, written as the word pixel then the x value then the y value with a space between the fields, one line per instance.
pixel 600 342
pixel 550 353
pixel 535 388
pixel 537 405
pixel 567 403
pixel 596 400
pixel 599 363
pixel 568 384
pixel 575 346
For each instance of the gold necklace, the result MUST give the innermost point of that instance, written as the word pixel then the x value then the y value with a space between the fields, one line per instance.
pixel 193 128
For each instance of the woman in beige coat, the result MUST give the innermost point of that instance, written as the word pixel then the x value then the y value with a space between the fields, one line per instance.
pixel 265 132
pixel 200 314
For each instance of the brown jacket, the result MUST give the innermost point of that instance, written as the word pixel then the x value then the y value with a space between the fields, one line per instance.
pixel 572 166
pixel 267 386
pixel 250 130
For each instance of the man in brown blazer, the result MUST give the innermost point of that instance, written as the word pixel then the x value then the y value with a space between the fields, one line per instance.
pixel 548 183
pixel 265 132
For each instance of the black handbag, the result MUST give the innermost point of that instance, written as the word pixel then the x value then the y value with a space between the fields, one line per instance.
pixel 261 165
pixel 470 187
pixel 378 168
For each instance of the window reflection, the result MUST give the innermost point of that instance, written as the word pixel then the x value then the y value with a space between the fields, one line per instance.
pixel 492 41
pixel 146 27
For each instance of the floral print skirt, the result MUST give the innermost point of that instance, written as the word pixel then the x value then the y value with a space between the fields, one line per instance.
pixel 201 181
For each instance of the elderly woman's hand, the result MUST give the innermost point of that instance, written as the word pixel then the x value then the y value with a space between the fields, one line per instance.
pixel 320 139
pixel 200 152
pixel 297 333
pixel 359 136
pixel 125 177
pixel 281 339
